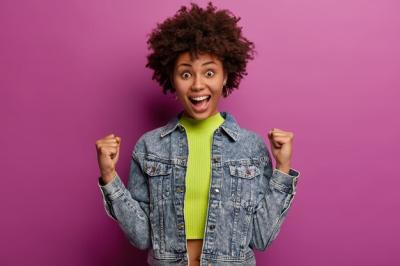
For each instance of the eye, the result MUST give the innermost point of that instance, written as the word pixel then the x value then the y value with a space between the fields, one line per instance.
pixel 185 75
pixel 210 73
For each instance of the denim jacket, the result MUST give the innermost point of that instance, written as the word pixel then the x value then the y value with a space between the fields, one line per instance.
pixel 248 200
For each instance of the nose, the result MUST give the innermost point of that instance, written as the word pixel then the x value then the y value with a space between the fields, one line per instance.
pixel 197 83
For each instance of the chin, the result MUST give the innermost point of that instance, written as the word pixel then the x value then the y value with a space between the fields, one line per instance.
pixel 200 116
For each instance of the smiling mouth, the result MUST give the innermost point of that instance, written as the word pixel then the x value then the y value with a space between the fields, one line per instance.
pixel 200 102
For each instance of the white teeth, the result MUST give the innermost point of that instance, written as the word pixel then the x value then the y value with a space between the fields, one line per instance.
pixel 199 98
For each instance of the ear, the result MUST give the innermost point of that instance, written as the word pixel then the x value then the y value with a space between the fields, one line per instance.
pixel 225 78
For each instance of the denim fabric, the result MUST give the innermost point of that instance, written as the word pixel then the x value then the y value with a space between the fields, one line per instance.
pixel 248 199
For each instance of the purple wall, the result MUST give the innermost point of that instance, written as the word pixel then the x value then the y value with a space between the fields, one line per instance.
pixel 73 71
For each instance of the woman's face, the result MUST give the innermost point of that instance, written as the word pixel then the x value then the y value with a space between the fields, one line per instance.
pixel 198 84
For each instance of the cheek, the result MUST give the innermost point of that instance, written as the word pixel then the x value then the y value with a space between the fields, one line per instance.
pixel 217 90
pixel 215 97
pixel 180 89
pixel 178 82
pixel 181 94
pixel 182 99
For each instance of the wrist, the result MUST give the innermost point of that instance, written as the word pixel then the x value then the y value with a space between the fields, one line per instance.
pixel 284 168
pixel 108 177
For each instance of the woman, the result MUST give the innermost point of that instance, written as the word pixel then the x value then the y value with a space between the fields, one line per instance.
pixel 201 189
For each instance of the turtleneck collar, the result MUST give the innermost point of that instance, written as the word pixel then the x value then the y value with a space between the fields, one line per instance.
pixel 209 123
pixel 229 126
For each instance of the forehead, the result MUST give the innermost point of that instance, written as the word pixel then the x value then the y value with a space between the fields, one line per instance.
pixel 201 58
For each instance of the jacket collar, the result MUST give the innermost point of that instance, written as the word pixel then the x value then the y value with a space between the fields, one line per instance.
pixel 230 126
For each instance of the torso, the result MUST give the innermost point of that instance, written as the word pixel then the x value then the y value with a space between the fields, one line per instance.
pixel 194 251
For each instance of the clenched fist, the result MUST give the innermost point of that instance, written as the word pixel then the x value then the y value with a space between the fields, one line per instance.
pixel 281 144
pixel 107 156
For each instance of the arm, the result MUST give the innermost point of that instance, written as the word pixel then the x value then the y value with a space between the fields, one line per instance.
pixel 130 206
pixel 271 209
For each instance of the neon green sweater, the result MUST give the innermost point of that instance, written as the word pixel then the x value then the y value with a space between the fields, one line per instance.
pixel 198 173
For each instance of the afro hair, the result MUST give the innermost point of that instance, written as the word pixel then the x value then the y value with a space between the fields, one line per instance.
pixel 199 31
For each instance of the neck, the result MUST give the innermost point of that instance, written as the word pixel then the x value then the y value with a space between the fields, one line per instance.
pixel 186 115
pixel 201 124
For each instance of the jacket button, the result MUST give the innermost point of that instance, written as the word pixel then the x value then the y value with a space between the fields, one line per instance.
pixel 211 227
pixel 181 226
pixel 179 190
pixel 249 209
pixel 216 190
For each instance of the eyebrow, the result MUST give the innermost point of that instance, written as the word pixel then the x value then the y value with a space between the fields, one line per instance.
pixel 187 64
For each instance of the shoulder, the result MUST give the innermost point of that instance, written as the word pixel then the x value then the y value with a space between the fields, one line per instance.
pixel 148 139
pixel 152 135
pixel 254 141
pixel 250 136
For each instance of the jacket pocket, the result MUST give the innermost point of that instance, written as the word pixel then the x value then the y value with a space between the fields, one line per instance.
pixel 160 175
pixel 155 168
pixel 242 181
pixel 244 171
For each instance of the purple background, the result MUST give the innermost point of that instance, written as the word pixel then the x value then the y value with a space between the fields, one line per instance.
pixel 73 71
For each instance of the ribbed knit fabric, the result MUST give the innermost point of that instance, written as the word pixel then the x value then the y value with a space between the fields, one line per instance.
pixel 198 173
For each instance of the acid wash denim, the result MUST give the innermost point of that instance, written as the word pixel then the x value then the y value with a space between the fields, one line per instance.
pixel 248 200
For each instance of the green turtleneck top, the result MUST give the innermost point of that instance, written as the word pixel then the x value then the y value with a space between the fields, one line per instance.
pixel 198 174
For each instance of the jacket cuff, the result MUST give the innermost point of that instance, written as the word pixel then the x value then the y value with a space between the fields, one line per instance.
pixel 112 189
pixel 286 182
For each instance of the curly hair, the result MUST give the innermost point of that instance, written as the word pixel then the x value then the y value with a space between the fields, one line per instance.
pixel 199 31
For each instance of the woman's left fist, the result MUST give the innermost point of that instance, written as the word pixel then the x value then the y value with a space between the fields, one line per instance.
pixel 281 145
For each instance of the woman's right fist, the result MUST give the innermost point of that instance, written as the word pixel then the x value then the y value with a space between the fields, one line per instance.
pixel 107 156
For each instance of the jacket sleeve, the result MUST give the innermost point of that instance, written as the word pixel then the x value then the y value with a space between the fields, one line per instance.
pixel 270 211
pixel 129 206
